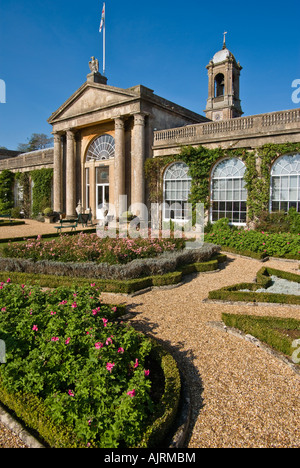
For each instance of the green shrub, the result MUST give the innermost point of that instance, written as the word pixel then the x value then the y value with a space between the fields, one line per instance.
pixel 16 212
pixel 64 348
pixel 270 330
pixel 257 244
pixel 236 292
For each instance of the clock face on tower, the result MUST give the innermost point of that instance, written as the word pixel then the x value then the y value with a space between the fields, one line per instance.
pixel 218 116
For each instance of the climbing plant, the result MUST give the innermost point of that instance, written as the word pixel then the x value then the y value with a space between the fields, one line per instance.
pixel 23 180
pixel 200 161
pixel 6 192
pixel 41 192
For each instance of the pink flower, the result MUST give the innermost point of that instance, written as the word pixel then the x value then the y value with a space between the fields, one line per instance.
pixel 67 341
pixel 52 312
pixel 35 328
pixel 104 320
pixel 71 393
pixel 131 393
pixel 8 280
pixel 109 340
pixel 74 305
pixel 54 338
pixel 63 302
pixel 136 364
pixel 3 309
pixel 93 284
pixel 110 366
pixel 147 372
pixel 121 350
pixel 99 345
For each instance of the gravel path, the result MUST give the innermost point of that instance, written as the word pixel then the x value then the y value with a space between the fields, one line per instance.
pixel 242 397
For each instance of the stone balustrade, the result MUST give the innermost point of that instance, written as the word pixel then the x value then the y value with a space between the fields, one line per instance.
pixel 233 129
pixel 28 161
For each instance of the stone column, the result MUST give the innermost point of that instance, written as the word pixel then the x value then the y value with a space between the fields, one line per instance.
pixel 93 189
pixel 137 160
pixel 119 167
pixel 70 169
pixel 57 174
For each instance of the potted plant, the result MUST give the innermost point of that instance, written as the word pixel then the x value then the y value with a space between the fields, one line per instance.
pixel 49 215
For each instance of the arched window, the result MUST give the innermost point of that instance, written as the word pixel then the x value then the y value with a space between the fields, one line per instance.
pixel 219 85
pixel 285 183
pixel 228 192
pixel 177 187
pixel 102 148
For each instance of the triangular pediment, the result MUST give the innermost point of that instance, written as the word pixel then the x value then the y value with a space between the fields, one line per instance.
pixel 89 98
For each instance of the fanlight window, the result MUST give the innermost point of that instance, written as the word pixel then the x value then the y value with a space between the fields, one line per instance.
pixel 177 187
pixel 101 149
pixel 285 183
pixel 228 192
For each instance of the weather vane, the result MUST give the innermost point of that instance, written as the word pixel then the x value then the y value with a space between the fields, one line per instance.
pixel 224 40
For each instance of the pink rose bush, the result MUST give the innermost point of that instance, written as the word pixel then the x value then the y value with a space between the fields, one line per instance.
pixel 88 369
pixel 89 247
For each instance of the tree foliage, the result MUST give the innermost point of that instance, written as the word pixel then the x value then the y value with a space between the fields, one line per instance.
pixel 35 142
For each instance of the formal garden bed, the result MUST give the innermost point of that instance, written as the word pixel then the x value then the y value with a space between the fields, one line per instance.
pixel 279 334
pixel 258 291
pixel 120 259
pixel 78 376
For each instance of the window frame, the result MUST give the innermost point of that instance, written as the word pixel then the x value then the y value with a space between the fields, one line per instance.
pixel 288 188
pixel 241 200
pixel 176 204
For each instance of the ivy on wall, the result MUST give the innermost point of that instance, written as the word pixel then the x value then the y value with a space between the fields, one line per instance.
pixel 6 192
pixel 41 192
pixel 23 180
pixel 201 161
pixel 33 203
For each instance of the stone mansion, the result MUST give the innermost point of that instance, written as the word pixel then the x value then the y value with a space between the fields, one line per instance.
pixel 103 135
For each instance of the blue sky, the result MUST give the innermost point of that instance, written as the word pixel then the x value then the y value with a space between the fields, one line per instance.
pixel 45 47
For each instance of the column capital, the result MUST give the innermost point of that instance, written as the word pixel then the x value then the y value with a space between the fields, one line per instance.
pixel 119 123
pixel 70 134
pixel 139 119
pixel 56 137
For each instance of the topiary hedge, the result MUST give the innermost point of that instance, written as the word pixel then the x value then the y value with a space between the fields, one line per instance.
pixel 113 286
pixel 271 330
pixel 263 280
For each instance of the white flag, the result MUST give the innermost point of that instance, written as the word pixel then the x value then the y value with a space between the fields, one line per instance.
pixel 102 18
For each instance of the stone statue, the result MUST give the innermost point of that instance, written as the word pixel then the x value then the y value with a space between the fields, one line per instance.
pixel 94 65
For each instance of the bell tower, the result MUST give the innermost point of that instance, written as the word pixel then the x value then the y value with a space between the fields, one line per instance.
pixel 223 86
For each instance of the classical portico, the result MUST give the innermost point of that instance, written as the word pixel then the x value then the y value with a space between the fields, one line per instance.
pixel 102 137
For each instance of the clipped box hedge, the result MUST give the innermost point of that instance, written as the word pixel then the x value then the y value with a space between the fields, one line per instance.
pixel 115 286
pixel 270 330
pixel 263 280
